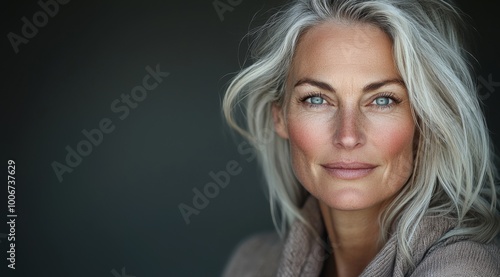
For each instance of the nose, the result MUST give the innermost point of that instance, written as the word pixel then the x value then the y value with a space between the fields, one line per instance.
pixel 348 133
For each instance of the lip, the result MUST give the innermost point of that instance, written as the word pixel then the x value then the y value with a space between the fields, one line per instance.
pixel 350 170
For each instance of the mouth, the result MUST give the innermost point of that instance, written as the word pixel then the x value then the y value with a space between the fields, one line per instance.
pixel 349 171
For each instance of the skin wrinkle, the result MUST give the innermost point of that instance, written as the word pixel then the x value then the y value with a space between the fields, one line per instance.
pixel 349 127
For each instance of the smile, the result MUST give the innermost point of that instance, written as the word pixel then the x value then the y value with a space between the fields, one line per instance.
pixel 349 171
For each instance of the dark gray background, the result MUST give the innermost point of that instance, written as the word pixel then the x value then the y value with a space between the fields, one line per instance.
pixel 119 207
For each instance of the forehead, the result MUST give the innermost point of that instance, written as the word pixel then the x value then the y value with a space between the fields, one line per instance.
pixel 334 47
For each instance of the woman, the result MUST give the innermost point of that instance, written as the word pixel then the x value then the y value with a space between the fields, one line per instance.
pixel 380 162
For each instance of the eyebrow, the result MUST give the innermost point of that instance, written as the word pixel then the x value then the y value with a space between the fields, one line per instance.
pixel 312 82
pixel 370 87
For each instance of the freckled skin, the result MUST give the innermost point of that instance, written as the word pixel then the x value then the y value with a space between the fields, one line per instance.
pixel 349 125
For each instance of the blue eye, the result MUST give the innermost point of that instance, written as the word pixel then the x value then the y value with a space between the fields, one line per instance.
pixel 316 100
pixel 383 101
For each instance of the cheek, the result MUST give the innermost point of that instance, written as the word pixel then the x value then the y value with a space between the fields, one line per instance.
pixel 307 135
pixel 396 141
pixel 396 146
pixel 308 139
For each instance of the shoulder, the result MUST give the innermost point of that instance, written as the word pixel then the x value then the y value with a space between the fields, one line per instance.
pixel 257 255
pixel 460 258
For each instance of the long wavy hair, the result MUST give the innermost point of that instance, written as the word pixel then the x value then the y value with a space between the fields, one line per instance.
pixel 453 174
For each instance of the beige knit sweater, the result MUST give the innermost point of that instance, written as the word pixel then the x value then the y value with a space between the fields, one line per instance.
pixel 302 254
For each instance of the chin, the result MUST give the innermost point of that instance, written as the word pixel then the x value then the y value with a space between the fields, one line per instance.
pixel 347 199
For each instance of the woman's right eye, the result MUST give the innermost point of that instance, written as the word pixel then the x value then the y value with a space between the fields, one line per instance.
pixel 315 100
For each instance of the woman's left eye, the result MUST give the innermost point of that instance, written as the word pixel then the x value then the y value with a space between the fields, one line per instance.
pixel 383 101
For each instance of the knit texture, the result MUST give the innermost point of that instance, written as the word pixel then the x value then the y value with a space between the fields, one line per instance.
pixel 303 253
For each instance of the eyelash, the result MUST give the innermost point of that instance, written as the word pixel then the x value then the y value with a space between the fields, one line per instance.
pixel 310 95
pixel 390 95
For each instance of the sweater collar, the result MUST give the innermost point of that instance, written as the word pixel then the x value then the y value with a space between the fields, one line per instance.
pixel 306 249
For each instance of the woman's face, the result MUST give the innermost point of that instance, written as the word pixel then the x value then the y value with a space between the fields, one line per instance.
pixel 347 117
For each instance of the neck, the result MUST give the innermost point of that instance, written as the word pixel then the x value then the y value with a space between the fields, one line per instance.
pixel 354 238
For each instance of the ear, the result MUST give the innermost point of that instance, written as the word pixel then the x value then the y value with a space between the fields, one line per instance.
pixel 279 121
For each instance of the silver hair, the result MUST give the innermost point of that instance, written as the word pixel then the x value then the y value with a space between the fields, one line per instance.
pixel 453 174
